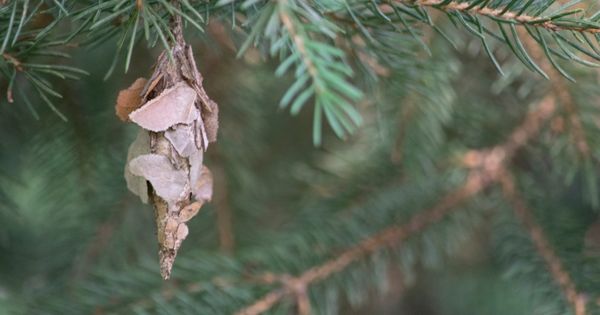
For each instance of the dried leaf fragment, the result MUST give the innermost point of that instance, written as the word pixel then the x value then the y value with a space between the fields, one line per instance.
pixel 181 233
pixel 151 85
pixel 129 99
pixel 169 183
pixel 180 120
pixel 202 187
pixel 173 106
pixel 196 166
pixel 211 121
pixel 190 211
pixel 183 139
pixel 137 184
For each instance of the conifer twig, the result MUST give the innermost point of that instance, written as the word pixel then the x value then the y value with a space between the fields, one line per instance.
pixel 542 245
pixel 388 237
pixel 499 14
pixel 14 61
pixel 297 39
pixel 486 168
pixel 408 111
pixel 561 91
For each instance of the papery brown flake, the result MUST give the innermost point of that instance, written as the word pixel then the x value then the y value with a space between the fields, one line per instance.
pixel 180 120
pixel 202 187
pixel 182 137
pixel 138 184
pixel 190 211
pixel 129 99
pixel 173 106
pixel 211 121
pixel 168 183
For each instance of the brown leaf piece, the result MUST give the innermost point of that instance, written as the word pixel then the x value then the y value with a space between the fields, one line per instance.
pixel 173 106
pixel 202 187
pixel 211 121
pixel 138 184
pixel 190 211
pixel 201 139
pixel 210 110
pixel 168 183
pixel 129 99
pixel 182 137
pixel 196 161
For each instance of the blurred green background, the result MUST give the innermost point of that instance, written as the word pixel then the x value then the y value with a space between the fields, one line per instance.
pixel 73 240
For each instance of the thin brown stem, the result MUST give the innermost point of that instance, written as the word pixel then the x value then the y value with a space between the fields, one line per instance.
pixel 523 19
pixel 223 211
pixel 542 245
pixel 177 26
pixel 296 37
pixel 11 59
pixel 388 237
pixel 562 93
pixel 486 168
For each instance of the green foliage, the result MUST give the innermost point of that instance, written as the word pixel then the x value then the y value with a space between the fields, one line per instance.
pixel 381 74
pixel 305 36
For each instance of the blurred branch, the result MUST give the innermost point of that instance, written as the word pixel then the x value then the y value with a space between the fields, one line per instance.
pixel 410 106
pixel 486 167
pixel 389 237
pixel 542 245
pixel 561 91
pixel 223 211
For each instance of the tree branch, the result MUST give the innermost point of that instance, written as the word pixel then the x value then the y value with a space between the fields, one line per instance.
pixel 561 91
pixel 499 14
pixel 296 37
pixel 486 168
pixel 542 245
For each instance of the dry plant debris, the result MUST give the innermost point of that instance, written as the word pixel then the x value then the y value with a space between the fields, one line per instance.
pixel 165 162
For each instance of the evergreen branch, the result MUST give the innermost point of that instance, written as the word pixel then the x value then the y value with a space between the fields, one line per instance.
pixel 104 20
pixel 580 135
pixel 327 71
pixel 562 30
pixel 563 95
pixel 28 32
pixel 552 23
pixel 303 39
pixel 408 110
pixel 578 132
pixel 542 245
pixel 487 167
pixel 387 238
pixel 297 39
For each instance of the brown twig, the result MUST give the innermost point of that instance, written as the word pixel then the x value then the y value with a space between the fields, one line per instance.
pixel 297 38
pixel 562 93
pixel 388 237
pixel 18 67
pixel 223 211
pixel 11 59
pixel 176 25
pixel 486 167
pixel 523 19
pixel 542 245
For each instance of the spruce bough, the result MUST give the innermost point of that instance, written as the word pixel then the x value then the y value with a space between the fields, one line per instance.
pixel 432 145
